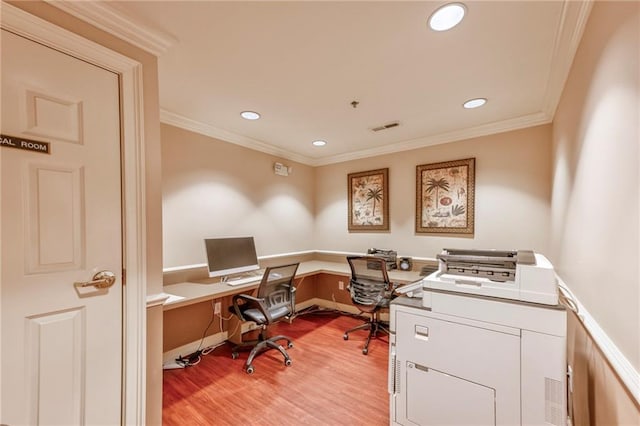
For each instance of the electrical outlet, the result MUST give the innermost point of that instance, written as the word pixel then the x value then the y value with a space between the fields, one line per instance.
pixel 341 285
pixel 216 308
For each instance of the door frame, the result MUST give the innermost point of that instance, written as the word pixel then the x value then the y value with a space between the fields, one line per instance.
pixel 133 191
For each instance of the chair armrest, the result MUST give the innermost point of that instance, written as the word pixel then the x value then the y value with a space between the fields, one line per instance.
pixel 249 300
pixel 247 297
pixel 391 289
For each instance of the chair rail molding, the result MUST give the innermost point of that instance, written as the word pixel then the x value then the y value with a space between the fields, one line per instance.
pixel 619 363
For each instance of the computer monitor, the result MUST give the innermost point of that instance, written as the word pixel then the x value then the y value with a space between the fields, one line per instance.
pixel 230 255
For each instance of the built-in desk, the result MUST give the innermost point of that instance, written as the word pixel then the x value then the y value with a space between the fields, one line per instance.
pixel 187 293
pixel 188 308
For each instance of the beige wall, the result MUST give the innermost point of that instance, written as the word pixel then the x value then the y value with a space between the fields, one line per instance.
pixel 594 210
pixel 512 196
pixel 152 181
pixel 595 174
pixel 213 188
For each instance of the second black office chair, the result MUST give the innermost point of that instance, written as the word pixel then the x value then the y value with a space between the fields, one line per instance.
pixel 275 301
pixel 370 291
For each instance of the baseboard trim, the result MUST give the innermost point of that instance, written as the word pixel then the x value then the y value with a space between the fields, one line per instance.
pixel 620 364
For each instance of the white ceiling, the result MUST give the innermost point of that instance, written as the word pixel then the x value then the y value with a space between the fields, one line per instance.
pixel 301 64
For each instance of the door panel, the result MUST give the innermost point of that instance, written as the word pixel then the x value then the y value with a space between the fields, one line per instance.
pixel 61 224
pixel 473 404
pixel 53 211
pixel 56 377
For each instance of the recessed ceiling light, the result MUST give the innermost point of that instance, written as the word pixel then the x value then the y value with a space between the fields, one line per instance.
pixel 447 17
pixel 474 103
pixel 319 143
pixel 249 115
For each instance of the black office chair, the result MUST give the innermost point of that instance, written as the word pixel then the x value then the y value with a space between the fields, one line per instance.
pixel 274 302
pixel 370 291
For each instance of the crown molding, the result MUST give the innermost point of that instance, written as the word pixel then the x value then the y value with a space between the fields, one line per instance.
pixel 573 21
pixel 106 17
pixel 458 135
pixel 185 123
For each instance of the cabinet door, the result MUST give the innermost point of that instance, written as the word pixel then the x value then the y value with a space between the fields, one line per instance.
pixel 463 403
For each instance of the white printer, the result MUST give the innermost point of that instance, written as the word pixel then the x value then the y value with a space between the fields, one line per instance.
pixel 517 274
pixel 484 345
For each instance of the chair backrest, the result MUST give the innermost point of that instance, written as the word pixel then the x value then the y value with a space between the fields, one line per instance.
pixel 369 287
pixel 276 287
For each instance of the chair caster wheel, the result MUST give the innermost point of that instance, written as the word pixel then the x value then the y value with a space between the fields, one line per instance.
pixel 289 345
pixel 345 336
pixel 365 351
pixel 250 369
pixel 234 355
pixel 287 362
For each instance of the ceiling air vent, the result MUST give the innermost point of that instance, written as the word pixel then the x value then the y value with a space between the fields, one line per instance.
pixel 386 126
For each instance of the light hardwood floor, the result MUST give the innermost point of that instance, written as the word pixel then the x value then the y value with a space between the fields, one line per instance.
pixel 329 383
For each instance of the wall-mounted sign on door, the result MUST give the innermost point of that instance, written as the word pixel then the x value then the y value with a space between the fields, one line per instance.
pixel 26 144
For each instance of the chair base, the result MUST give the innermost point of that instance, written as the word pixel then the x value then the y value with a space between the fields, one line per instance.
pixel 261 345
pixel 374 325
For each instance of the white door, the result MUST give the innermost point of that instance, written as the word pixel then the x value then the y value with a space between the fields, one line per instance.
pixel 61 224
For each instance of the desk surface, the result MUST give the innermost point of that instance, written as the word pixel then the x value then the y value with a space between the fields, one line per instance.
pixel 187 293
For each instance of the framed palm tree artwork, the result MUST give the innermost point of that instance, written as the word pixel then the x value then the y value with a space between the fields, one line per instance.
pixel 445 197
pixel 369 200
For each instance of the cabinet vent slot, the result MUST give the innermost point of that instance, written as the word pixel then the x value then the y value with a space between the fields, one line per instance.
pixel 553 412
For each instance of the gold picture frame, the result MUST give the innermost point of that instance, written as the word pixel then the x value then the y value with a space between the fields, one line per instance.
pixel 445 197
pixel 369 201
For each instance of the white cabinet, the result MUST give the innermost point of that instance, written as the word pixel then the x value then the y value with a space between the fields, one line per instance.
pixel 451 370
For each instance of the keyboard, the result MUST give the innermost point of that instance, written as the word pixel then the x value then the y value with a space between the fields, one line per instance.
pixel 244 280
